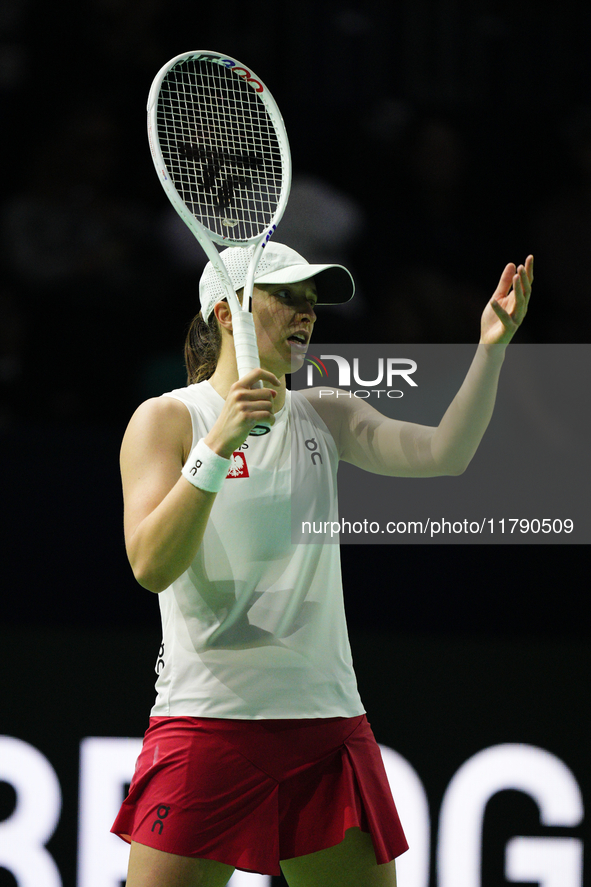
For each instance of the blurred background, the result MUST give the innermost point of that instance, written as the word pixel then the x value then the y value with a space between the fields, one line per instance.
pixel 433 141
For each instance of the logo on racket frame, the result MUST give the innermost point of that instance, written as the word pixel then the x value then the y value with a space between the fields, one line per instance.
pixel 270 234
pixel 230 63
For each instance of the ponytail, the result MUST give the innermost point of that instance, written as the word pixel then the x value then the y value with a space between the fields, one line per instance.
pixel 202 348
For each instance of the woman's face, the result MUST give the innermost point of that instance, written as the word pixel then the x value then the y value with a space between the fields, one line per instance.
pixel 284 318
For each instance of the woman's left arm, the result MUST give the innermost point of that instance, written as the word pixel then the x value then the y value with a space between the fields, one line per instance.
pixel 371 441
pixel 504 313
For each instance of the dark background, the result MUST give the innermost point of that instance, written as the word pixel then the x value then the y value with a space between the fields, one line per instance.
pixel 433 141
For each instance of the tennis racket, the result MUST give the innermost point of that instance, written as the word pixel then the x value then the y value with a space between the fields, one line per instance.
pixel 221 153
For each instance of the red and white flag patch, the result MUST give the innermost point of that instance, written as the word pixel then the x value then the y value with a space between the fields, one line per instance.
pixel 238 468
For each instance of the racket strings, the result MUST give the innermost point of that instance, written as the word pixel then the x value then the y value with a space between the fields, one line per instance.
pixel 221 149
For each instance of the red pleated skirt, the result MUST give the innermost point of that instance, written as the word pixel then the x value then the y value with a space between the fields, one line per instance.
pixel 252 793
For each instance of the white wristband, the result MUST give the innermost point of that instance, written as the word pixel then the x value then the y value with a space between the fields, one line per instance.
pixel 205 469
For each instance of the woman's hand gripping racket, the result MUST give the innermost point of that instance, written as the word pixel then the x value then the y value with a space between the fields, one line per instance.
pixel 221 152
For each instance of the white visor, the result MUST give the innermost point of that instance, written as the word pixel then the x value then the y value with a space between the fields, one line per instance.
pixel 278 264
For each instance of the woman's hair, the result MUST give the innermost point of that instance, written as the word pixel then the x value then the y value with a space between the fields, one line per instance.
pixel 202 348
pixel 203 345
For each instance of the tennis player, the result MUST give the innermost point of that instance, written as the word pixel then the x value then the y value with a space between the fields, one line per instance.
pixel 259 755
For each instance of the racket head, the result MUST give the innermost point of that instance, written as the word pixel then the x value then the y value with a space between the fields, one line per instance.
pixel 220 148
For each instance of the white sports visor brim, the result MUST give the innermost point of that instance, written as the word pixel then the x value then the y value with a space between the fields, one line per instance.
pixel 334 284
pixel 278 264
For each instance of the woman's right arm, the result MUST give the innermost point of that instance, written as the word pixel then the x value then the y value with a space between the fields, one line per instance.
pixel 165 515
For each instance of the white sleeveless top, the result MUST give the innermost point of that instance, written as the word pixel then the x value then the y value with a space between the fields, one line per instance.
pixel 255 628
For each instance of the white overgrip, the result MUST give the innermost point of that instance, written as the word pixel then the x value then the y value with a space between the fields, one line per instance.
pixel 245 342
pixel 247 354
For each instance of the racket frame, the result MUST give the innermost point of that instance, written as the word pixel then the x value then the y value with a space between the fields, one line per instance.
pixel 204 235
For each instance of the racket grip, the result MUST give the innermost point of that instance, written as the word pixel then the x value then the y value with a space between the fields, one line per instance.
pixel 247 354
pixel 245 342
